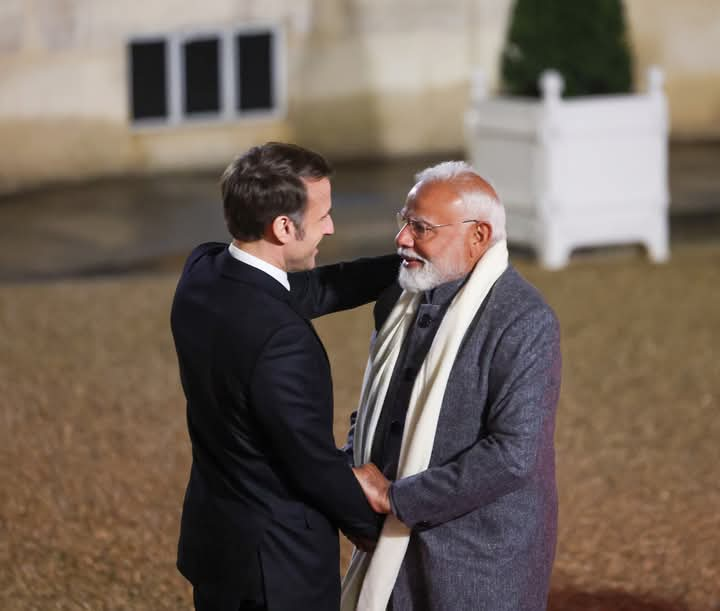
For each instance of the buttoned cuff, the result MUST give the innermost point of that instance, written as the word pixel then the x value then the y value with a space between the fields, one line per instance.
pixel 396 494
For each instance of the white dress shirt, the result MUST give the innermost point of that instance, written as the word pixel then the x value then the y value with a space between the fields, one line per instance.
pixel 275 272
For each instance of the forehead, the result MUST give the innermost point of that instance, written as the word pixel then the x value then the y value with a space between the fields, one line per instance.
pixel 318 193
pixel 433 200
pixel 317 187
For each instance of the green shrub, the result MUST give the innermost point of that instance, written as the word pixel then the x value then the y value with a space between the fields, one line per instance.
pixel 585 40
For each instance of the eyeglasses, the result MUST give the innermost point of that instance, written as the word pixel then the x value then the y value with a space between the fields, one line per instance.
pixel 420 229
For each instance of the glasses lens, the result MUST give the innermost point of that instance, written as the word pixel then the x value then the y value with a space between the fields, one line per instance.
pixel 418 229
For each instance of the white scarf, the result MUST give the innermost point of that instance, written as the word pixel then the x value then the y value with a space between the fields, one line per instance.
pixel 371 576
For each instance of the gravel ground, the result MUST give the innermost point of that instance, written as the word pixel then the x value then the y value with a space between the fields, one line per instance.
pixel 94 453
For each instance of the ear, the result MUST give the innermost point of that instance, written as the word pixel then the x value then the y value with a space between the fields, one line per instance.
pixel 282 229
pixel 481 236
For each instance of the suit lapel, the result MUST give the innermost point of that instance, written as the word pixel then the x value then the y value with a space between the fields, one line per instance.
pixel 231 268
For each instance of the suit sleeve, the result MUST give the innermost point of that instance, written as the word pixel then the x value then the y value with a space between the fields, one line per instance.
pixel 342 286
pixel 295 410
pixel 348 448
pixel 525 376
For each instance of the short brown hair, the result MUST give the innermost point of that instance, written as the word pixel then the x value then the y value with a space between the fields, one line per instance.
pixel 266 182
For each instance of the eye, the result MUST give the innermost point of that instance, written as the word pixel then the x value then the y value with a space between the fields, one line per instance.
pixel 418 227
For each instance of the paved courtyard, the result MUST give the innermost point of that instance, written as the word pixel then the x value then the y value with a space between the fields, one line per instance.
pixel 93 448
pixel 118 225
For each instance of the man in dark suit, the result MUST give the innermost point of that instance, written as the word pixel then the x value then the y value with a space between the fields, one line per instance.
pixel 268 489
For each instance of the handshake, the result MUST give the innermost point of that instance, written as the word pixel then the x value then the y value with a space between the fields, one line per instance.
pixel 377 490
pixel 375 486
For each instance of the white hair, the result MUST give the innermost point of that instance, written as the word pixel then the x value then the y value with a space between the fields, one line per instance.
pixel 480 204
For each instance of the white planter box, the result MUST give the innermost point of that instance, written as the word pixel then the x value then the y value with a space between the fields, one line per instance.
pixel 585 171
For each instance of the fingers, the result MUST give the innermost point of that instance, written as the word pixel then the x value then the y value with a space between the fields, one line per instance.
pixel 375 486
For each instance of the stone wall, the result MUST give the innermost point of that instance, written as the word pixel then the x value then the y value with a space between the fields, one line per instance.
pixel 682 38
pixel 365 78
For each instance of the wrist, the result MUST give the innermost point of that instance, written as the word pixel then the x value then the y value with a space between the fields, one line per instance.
pixel 387 504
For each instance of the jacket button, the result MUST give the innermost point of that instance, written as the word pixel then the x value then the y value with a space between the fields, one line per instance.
pixel 424 321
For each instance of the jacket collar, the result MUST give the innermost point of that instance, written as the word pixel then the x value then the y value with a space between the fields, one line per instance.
pixel 236 270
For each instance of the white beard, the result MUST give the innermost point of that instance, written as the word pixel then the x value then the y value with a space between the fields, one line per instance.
pixel 424 278
pixel 418 280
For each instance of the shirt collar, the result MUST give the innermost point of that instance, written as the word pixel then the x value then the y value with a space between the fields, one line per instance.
pixel 443 293
pixel 275 272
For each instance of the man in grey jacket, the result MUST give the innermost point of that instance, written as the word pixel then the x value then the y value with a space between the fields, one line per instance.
pixel 458 413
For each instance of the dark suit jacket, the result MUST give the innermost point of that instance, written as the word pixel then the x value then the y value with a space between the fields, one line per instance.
pixel 268 488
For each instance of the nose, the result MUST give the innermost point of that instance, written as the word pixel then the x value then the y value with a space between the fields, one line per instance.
pixel 404 237
pixel 330 228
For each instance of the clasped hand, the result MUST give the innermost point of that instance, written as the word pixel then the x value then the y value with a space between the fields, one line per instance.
pixel 375 486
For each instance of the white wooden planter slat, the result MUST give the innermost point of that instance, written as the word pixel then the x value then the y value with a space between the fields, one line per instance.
pixel 585 171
